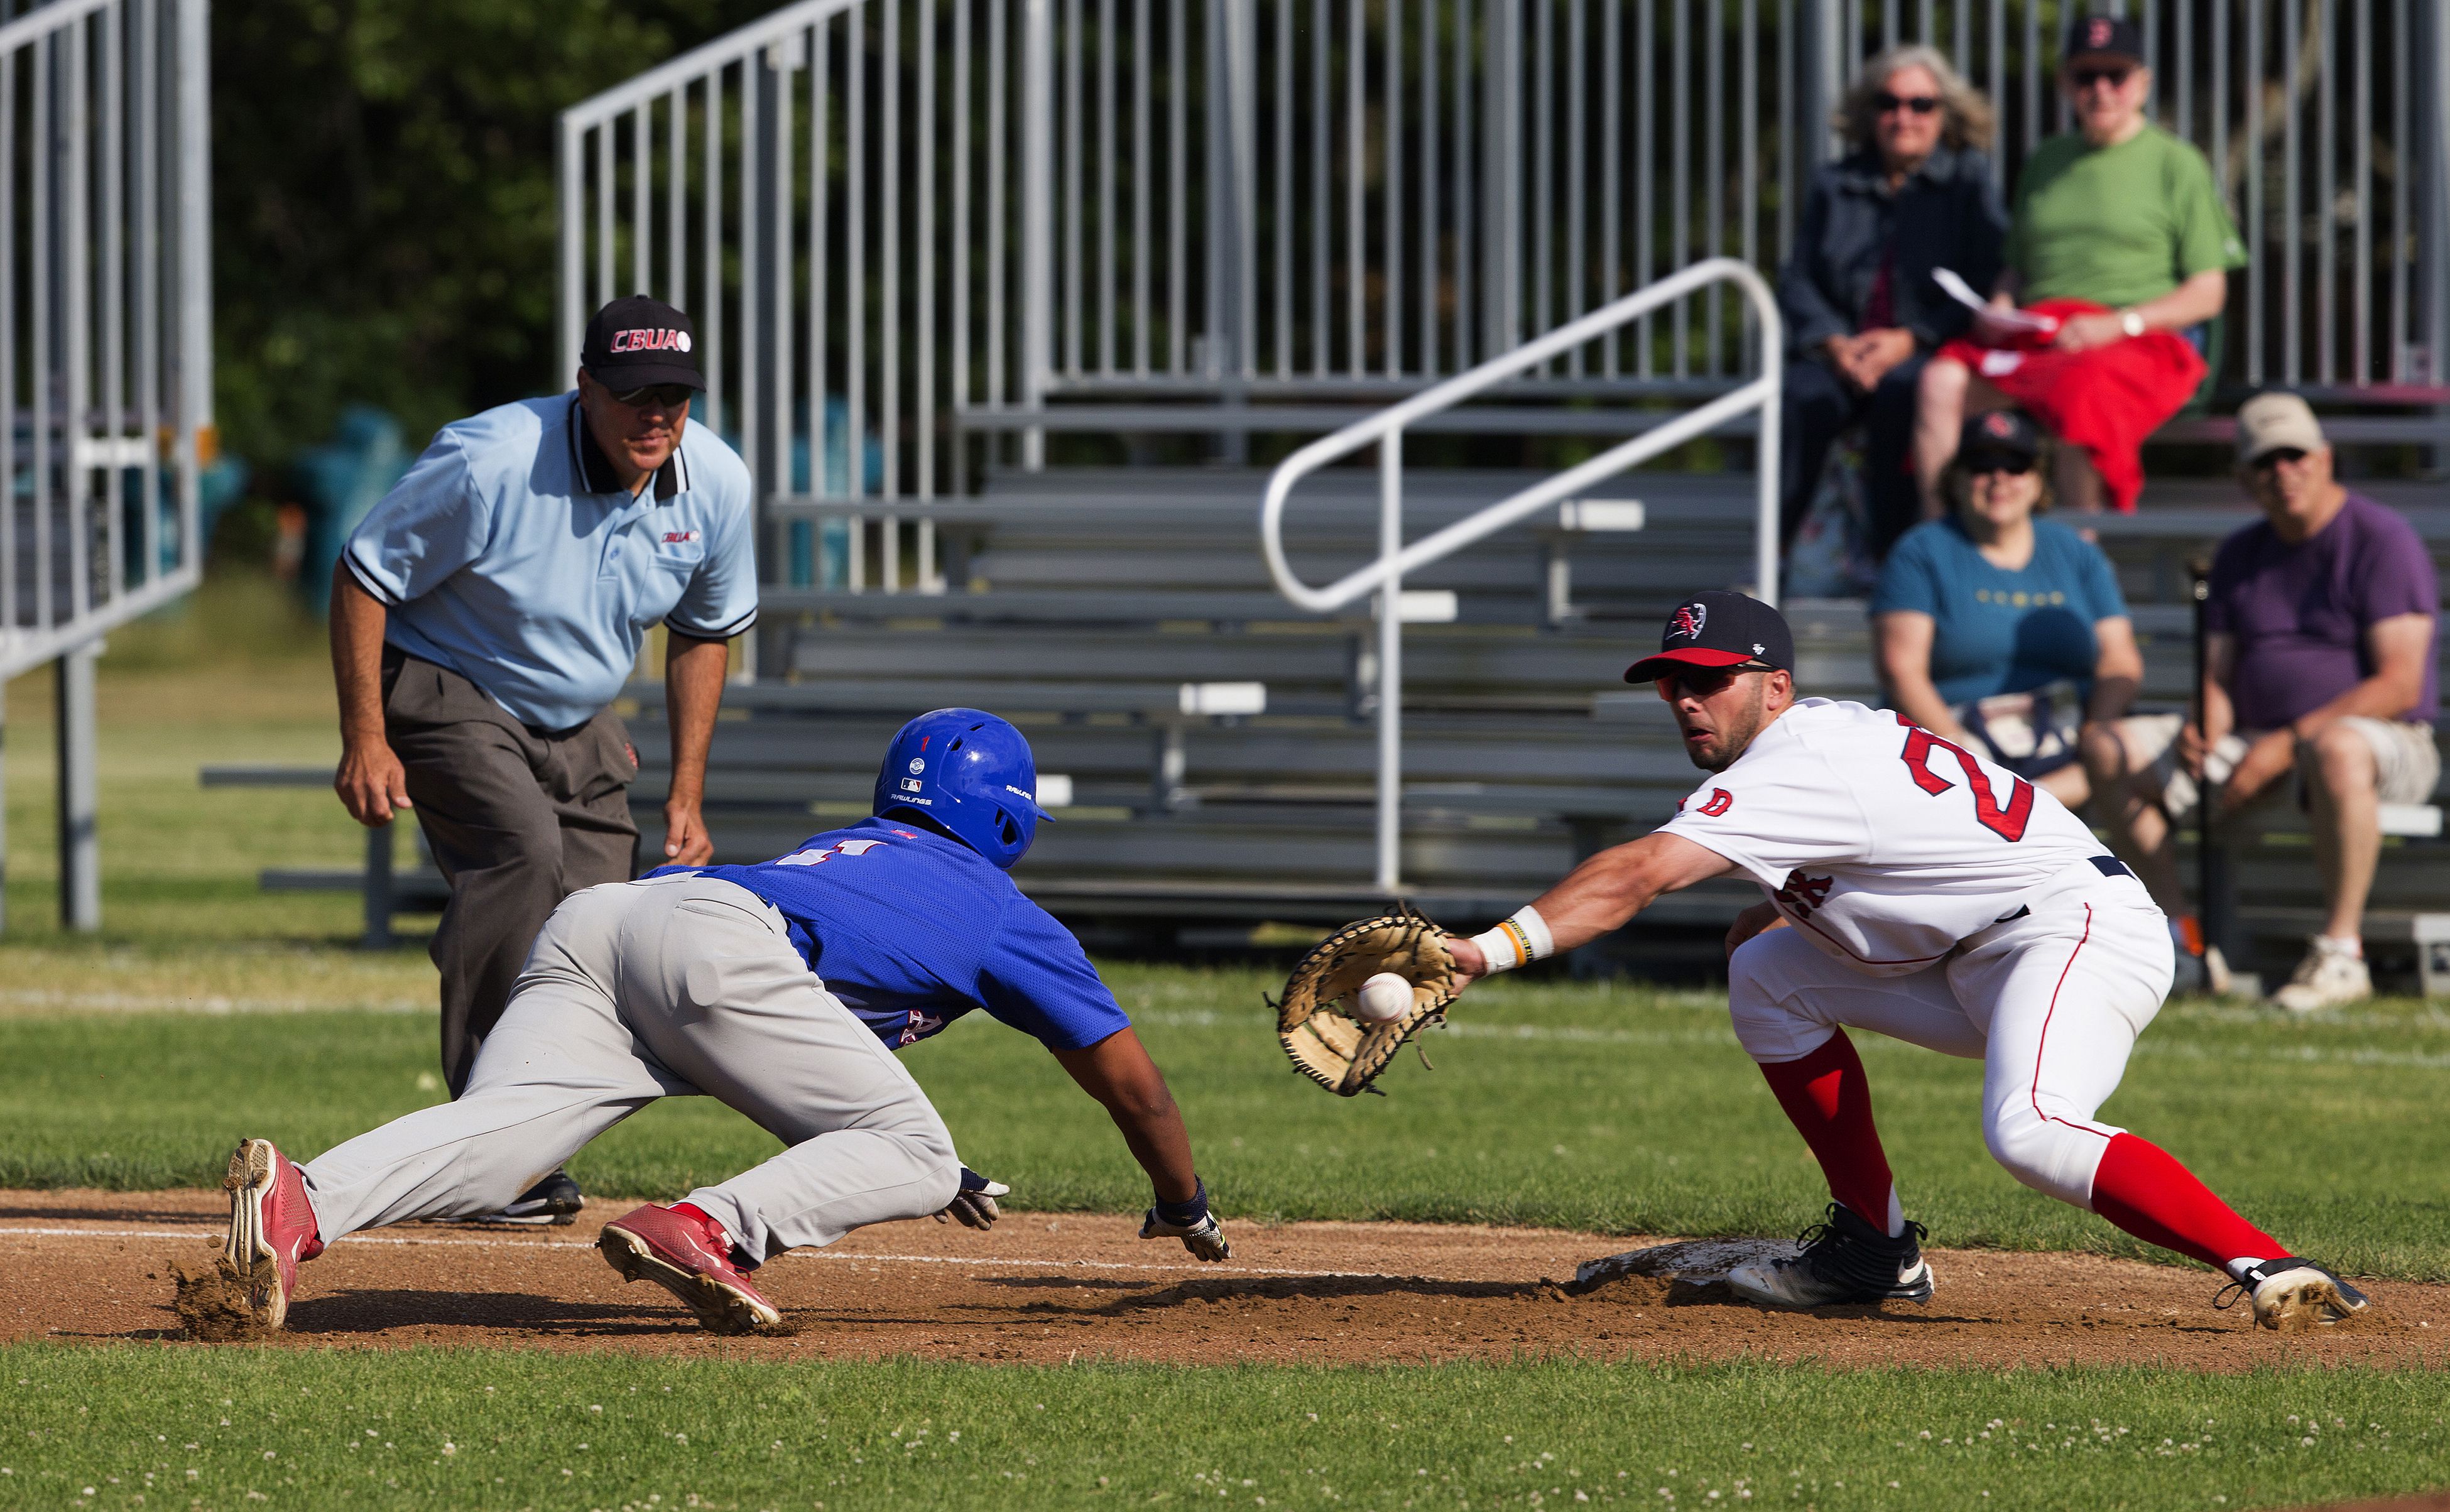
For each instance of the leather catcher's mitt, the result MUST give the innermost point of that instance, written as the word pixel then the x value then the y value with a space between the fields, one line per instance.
pixel 1315 1022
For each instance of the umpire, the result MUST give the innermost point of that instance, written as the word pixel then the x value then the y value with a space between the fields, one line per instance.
pixel 486 612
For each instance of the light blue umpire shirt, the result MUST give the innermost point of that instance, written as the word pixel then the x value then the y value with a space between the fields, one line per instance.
pixel 510 554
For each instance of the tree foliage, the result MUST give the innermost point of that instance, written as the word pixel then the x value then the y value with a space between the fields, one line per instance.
pixel 383 198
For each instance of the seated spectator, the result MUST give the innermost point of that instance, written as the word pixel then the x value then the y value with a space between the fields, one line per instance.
pixel 2120 240
pixel 2319 649
pixel 1862 315
pixel 2000 631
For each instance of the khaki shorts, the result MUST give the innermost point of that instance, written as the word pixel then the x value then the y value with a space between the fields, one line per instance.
pixel 2407 766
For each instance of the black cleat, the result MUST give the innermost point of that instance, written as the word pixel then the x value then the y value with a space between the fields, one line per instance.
pixel 2289 1293
pixel 554 1200
pixel 1841 1262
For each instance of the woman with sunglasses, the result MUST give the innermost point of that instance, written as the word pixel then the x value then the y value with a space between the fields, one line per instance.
pixel 2121 245
pixel 2007 634
pixel 1914 193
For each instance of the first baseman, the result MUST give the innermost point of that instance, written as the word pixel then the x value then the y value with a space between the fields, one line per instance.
pixel 782 989
pixel 491 607
pixel 1911 888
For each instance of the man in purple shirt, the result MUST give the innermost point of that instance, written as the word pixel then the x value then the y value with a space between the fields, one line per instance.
pixel 2320 651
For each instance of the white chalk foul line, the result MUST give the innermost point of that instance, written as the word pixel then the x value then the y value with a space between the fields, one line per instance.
pixel 9 1230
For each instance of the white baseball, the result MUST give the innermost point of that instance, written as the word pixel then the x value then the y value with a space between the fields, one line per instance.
pixel 1382 998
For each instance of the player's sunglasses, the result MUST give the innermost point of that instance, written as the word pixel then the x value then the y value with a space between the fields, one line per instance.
pixel 2271 460
pixel 664 395
pixel 1920 104
pixel 1702 681
pixel 2112 75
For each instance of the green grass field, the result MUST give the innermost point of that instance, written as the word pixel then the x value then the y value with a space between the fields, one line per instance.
pixel 226 1428
pixel 207 1009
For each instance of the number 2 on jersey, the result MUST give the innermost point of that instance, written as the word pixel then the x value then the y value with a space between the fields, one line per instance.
pixel 2006 821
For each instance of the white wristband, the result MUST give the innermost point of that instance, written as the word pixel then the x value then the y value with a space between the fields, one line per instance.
pixel 1517 941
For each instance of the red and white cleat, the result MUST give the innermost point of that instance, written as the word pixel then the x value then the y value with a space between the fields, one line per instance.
pixel 691 1260
pixel 271 1228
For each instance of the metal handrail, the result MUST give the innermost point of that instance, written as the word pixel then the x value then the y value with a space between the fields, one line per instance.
pixel 691 66
pixel 1395 560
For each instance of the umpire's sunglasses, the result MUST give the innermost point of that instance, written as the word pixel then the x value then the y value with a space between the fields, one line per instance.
pixel 664 395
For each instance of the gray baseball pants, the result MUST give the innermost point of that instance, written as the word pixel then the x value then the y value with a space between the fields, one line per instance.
pixel 677 986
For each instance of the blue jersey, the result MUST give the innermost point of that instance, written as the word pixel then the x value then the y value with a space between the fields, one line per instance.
pixel 911 930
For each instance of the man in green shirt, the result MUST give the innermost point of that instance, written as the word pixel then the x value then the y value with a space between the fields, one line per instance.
pixel 2119 213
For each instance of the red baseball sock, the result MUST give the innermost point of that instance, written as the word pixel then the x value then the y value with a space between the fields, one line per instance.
pixel 2141 1188
pixel 1825 1096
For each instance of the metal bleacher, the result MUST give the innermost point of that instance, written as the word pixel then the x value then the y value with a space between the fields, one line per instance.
pixel 936 249
pixel 1108 613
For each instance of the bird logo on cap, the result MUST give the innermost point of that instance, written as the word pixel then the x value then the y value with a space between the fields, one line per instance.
pixel 1688 621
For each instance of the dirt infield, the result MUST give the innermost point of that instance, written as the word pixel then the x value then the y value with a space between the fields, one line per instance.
pixel 92 1264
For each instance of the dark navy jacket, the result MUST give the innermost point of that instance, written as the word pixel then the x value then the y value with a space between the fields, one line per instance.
pixel 1947 215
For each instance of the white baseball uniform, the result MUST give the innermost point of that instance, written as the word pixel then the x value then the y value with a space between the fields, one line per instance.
pixel 1943 901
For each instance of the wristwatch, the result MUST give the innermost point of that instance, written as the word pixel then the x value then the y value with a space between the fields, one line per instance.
pixel 2130 322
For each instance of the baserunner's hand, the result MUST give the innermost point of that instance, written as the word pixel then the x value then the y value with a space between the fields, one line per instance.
pixel 1190 1222
pixel 974 1206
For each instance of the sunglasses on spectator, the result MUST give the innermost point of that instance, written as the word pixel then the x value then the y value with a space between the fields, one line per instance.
pixel 664 395
pixel 2277 456
pixel 2114 76
pixel 1918 103
pixel 2005 465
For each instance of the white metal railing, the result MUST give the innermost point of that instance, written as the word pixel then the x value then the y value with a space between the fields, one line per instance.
pixel 1385 429
pixel 106 317
pixel 106 354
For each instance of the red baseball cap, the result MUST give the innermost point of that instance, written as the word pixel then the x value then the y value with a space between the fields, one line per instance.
pixel 1719 630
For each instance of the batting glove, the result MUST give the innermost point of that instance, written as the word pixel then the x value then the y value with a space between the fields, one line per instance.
pixel 974 1206
pixel 1190 1222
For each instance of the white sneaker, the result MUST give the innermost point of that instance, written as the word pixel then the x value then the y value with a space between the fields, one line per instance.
pixel 2206 973
pixel 2327 977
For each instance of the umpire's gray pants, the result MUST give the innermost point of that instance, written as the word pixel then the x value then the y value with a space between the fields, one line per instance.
pixel 640 990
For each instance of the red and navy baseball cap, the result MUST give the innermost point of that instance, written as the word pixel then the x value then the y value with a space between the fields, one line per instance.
pixel 634 343
pixel 2105 37
pixel 1719 630
pixel 1999 436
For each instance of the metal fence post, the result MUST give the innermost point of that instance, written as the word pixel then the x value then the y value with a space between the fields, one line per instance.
pixel 1038 220
pixel 571 322
pixel 2435 256
pixel 79 791
pixel 1390 667
pixel 4 794
pixel 1820 70
pixel 195 270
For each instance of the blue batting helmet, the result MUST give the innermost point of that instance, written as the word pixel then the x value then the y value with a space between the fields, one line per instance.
pixel 972 773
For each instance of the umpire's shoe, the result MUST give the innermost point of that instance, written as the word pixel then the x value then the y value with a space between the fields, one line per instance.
pixel 1840 1261
pixel 554 1200
pixel 271 1228
pixel 689 1257
pixel 2289 1293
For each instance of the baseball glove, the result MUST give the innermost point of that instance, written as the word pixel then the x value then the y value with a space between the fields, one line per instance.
pixel 1315 1022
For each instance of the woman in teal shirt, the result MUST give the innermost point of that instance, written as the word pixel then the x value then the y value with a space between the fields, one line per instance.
pixel 2004 632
